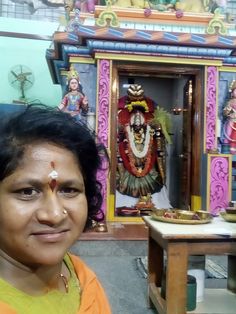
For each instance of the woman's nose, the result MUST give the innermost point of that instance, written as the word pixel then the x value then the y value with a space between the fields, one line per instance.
pixel 51 211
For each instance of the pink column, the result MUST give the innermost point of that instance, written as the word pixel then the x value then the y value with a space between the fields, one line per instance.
pixel 218 164
pixel 219 182
pixel 103 85
pixel 211 109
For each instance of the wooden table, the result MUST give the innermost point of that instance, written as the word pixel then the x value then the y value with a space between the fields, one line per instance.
pixel 180 241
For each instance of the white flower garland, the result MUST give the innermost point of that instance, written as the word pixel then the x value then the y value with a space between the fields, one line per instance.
pixel 137 153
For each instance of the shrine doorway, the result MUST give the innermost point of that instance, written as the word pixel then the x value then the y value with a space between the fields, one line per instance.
pixel 179 91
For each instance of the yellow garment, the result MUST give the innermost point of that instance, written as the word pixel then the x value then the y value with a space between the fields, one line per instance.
pixel 54 302
pixel 93 299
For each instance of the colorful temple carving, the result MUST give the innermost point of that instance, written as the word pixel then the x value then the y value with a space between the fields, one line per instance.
pixel 183 42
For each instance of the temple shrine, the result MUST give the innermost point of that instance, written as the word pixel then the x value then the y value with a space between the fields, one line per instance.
pixel 157 76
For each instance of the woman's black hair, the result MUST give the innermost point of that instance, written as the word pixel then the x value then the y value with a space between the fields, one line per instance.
pixel 42 123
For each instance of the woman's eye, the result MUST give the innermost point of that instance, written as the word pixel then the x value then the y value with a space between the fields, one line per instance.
pixel 27 193
pixel 69 192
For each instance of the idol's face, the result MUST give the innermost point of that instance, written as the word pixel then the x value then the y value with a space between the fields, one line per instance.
pixel 43 207
pixel 74 84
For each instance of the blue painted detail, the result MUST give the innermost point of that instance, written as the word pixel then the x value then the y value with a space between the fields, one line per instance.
pixel 69 48
pixel 115 32
pixel 162 49
pixel 83 29
pixel 95 43
pixel 226 41
pixel 73 37
pixel 230 60
pixel 57 66
pixel 171 37
pixel 198 39
pixel 73 49
pixel 143 35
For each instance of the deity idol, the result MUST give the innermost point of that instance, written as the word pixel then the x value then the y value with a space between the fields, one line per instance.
pixel 230 125
pixel 141 146
pixel 74 102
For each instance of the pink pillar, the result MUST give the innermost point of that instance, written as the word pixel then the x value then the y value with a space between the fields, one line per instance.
pixel 103 85
pixel 211 108
pixel 219 182
pixel 219 165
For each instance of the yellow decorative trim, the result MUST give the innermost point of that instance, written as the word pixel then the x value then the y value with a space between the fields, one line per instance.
pixel 196 202
pixel 230 177
pixel 108 17
pixel 63 72
pixel 216 25
pixel 127 219
pixel 227 69
pixel 208 183
pixel 98 71
pixel 125 57
pixel 81 60
pixel 109 105
pixel 217 108
pixel 71 73
pixel 111 212
pixel 110 207
pixel 205 102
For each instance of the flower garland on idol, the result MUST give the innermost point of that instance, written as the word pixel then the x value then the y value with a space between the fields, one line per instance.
pixel 130 154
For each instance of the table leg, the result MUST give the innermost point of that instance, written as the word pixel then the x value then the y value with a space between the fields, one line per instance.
pixel 155 265
pixel 231 283
pixel 176 278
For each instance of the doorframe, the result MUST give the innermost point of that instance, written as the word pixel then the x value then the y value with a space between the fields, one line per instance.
pixel 149 69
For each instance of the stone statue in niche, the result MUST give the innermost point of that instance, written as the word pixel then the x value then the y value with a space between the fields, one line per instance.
pixel 229 112
pixel 74 101
pixel 141 145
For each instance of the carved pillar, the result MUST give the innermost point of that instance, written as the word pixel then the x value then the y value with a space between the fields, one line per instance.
pixel 219 166
pixel 219 182
pixel 103 107
pixel 211 108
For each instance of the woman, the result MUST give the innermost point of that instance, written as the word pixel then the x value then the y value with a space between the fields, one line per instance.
pixel 74 102
pixel 48 193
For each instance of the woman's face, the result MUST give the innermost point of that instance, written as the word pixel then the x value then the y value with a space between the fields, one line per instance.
pixel 42 215
pixel 73 84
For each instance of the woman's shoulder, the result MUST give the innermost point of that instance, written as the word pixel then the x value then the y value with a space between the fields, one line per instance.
pixel 84 273
pixel 94 299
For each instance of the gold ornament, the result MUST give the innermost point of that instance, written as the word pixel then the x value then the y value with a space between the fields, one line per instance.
pixel 232 86
pixel 72 74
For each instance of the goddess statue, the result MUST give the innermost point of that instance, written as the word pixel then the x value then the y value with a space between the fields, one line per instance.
pixel 141 146
pixel 74 102
pixel 230 113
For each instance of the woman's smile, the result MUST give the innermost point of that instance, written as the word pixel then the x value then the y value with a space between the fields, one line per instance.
pixel 51 236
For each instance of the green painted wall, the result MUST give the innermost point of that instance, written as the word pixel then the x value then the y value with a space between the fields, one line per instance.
pixel 31 53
